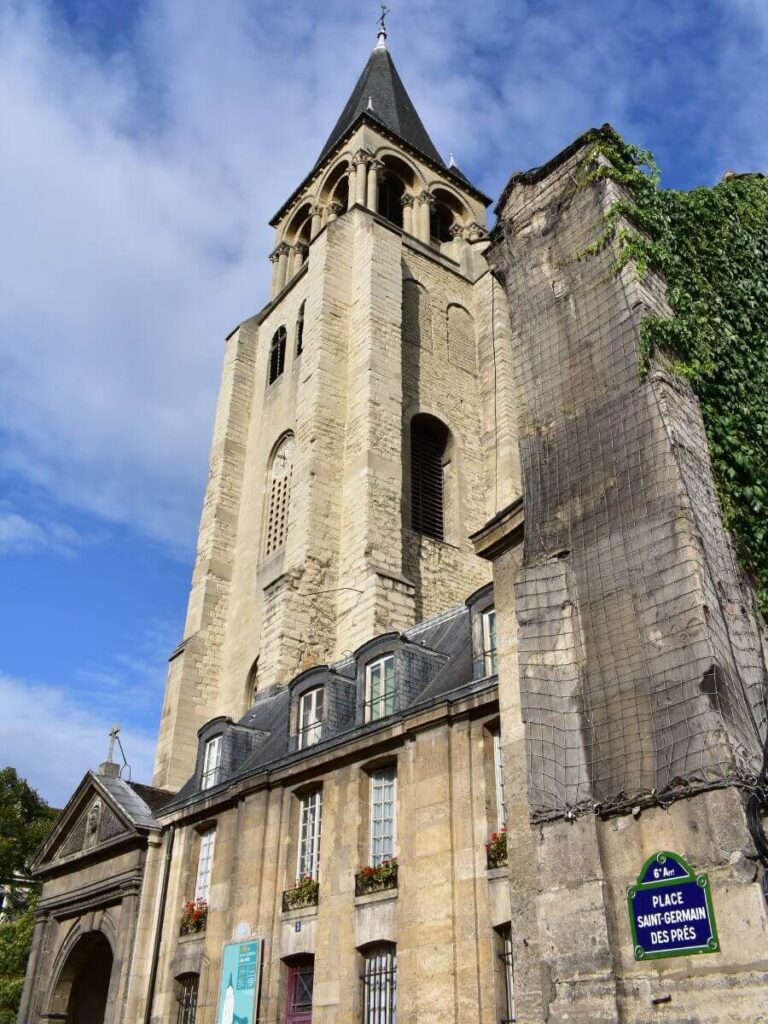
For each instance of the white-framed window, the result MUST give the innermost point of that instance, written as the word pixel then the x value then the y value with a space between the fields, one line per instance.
pixel 498 769
pixel 380 688
pixel 311 706
pixel 383 815
pixel 506 972
pixel 211 763
pixel 310 824
pixel 490 656
pixel 205 864
pixel 380 984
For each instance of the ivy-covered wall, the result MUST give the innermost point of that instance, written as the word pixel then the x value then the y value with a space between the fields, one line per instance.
pixel 711 244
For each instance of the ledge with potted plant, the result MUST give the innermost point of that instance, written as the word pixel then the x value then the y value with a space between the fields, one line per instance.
pixel 194 914
pixel 376 879
pixel 496 849
pixel 304 894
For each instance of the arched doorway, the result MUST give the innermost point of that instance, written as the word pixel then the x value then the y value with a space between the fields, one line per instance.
pixel 82 987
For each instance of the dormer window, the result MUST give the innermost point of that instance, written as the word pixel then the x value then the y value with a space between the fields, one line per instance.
pixel 211 763
pixel 380 688
pixel 311 717
pixel 490 655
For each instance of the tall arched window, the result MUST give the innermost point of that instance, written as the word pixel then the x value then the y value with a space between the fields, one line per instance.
pixel 429 445
pixel 277 354
pixel 300 330
pixel 279 493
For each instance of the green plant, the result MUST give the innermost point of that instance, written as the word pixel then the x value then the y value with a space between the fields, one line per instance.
pixel 711 246
pixel 496 849
pixel 374 879
pixel 303 894
pixel 194 915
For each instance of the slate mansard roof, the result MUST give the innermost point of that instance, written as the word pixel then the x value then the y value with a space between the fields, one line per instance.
pixel 436 665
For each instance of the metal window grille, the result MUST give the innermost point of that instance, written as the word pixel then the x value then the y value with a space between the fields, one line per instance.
pixel 279 496
pixel 300 985
pixel 380 985
pixel 205 864
pixel 383 782
pixel 277 354
pixel 187 998
pixel 310 823
pixel 380 688
pixel 300 330
pixel 498 767
pixel 211 763
pixel 311 717
pixel 490 654
pixel 507 973
pixel 427 498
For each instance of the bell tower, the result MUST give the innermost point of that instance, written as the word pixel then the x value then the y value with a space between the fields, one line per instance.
pixel 355 445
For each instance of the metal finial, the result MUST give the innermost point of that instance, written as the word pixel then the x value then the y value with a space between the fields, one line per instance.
pixel 113 734
pixel 370 103
pixel 382 43
pixel 451 161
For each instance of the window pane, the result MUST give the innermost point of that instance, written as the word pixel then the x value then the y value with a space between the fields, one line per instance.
pixel 310 717
pixel 187 999
pixel 507 974
pixel 309 835
pixel 212 763
pixel 380 687
pixel 382 815
pixel 205 865
pixel 498 767
pixel 490 657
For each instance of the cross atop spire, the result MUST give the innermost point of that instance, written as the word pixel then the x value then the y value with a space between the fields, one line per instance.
pixel 382 43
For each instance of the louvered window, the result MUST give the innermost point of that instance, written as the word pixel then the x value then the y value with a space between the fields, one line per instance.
pixel 300 330
pixel 429 439
pixel 279 495
pixel 277 354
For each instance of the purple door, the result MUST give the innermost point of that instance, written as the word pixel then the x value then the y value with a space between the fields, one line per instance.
pixel 300 977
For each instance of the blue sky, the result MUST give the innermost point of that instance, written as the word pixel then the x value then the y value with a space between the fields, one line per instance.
pixel 145 146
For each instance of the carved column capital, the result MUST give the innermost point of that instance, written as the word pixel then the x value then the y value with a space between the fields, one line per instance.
pixel 426 198
pixel 406 199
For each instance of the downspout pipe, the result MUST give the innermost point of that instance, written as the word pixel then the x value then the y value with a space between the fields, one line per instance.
pixel 160 923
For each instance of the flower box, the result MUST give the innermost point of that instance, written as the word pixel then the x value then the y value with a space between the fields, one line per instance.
pixel 376 879
pixel 304 894
pixel 194 914
pixel 496 849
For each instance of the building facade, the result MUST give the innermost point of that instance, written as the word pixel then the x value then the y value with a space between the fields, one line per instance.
pixel 395 773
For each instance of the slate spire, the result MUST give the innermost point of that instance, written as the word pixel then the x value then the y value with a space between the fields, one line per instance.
pixel 381 94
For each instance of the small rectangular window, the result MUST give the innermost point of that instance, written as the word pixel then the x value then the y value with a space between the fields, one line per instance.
pixel 506 972
pixel 380 985
pixel 187 998
pixel 310 823
pixel 311 717
pixel 211 763
pixel 490 658
pixel 205 864
pixel 498 767
pixel 380 688
pixel 383 783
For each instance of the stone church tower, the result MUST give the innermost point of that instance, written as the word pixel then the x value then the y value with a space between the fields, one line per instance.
pixel 356 444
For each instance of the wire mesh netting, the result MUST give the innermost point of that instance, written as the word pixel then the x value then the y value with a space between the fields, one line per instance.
pixel 642 666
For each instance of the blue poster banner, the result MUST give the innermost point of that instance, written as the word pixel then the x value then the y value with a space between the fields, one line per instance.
pixel 240 978
pixel 670 910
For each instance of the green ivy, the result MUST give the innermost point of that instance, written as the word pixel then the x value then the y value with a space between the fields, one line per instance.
pixel 711 245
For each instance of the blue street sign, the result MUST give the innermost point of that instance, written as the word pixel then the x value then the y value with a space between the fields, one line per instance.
pixel 670 910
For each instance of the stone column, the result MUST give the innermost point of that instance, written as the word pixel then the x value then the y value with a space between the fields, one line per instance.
pixel 282 265
pixel 374 167
pixel 361 181
pixel 317 221
pixel 299 255
pixel 408 202
pixel 426 202
pixel 273 259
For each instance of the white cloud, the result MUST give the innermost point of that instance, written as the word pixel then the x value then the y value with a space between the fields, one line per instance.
pixel 51 739
pixel 138 177
pixel 21 535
